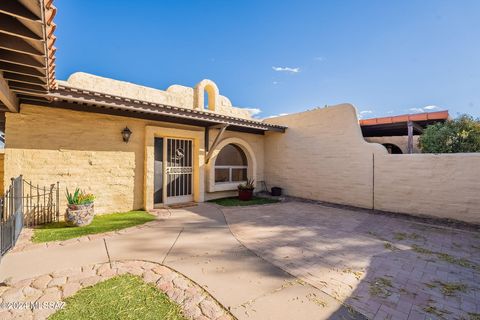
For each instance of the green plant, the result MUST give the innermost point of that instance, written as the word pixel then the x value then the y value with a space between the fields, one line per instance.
pixel 79 197
pixel 248 185
pixel 459 135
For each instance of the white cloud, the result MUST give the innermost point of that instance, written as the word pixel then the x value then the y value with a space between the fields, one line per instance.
pixel 416 110
pixel 277 115
pixel 253 111
pixel 424 109
pixel 275 82
pixel 286 69
pixel 319 59
pixel 362 113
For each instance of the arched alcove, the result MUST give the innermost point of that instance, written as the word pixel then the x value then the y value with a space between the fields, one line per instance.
pixel 236 149
pixel 392 148
pixel 206 91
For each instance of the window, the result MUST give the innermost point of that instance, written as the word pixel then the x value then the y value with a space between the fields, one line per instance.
pixel 231 165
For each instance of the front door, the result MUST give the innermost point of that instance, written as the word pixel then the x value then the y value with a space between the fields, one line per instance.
pixel 178 177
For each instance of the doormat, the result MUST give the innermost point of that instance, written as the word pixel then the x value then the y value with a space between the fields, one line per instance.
pixel 182 205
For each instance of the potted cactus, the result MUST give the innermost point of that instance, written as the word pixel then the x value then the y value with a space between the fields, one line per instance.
pixel 245 190
pixel 80 211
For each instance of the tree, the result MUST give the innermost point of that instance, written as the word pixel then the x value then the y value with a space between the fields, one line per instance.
pixel 458 135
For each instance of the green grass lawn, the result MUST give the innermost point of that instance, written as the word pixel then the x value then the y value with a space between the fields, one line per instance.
pixel 102 223
pixel 122 297
pixel 234 201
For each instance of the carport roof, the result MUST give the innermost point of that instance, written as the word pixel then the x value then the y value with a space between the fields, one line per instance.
pixel 397 125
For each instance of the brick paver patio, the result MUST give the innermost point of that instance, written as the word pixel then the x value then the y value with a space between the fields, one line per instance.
pixel 383 266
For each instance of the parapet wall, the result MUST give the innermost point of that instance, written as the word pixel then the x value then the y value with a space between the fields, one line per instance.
pixel 175 95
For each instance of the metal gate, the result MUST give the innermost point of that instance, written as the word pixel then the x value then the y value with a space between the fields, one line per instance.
pixel 11 215
pixel 179 170
pixel 25 204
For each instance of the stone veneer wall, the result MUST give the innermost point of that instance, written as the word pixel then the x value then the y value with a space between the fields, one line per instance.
pixel 86 150
pixel 323 156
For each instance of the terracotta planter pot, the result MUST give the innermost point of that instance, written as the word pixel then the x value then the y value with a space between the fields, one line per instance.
pixel 79 215
pixel 245 194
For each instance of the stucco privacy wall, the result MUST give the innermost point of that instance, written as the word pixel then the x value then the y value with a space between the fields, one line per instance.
pixel 444 186
pixel 322 156
pixel 80 149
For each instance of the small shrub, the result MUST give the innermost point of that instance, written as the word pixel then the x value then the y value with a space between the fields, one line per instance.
pixel 79 197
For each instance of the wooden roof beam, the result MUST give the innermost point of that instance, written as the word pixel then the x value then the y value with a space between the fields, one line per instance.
pixel 7 97
pixel 24 78
pixel 13 43
pixel 16 9
pixel 21 59
pixel 29 71
pixel 14 27
pixel 26 86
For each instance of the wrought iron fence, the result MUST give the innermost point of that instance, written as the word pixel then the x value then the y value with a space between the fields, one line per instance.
pixel 41 204
pixel 26 204
pixel 11 214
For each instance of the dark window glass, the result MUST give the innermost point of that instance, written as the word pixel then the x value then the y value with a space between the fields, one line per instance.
pixel 221 175
pixel 239 174
pixel 231 155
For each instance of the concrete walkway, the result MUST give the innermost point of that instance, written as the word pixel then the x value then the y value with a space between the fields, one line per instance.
pixel 386 267
pixel 197 243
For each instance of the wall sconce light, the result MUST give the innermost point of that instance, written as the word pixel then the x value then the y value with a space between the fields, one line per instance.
pixel 126 133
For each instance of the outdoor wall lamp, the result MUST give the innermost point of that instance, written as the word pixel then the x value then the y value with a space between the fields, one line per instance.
pixel 126 133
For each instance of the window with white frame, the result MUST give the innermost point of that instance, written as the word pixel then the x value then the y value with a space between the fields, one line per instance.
pixel 231 165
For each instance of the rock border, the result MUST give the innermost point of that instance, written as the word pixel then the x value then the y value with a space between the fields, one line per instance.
pixel 195 302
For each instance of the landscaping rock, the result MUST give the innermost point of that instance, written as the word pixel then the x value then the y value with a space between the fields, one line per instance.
pixel 41 282
pixel 195 303
pixel 70 289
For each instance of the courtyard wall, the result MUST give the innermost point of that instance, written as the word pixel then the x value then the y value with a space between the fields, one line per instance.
pixel 323 156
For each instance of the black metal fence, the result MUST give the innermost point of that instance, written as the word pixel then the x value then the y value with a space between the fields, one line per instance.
pixel 11 214
pixel 26 204
pixel 41 204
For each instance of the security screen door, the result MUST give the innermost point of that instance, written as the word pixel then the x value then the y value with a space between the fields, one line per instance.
pixel 178 170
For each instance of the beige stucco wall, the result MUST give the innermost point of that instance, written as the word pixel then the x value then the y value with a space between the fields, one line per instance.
pixel 175 95
pixel 399 141
pixel 322 156
pixel 444 186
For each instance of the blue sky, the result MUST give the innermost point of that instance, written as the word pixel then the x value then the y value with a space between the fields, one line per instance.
pixel 385 57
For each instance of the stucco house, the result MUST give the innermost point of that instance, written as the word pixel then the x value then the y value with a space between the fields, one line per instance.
pixel 137 147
